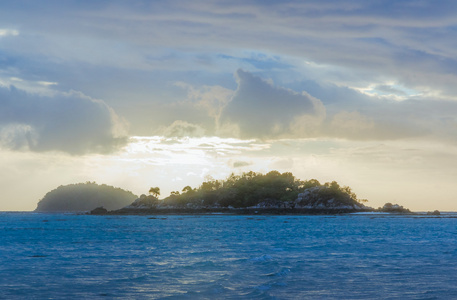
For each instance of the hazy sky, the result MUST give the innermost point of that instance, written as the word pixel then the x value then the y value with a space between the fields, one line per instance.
pixel 166 93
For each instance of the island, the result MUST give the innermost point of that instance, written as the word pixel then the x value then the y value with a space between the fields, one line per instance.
pixel 82 197
pixel 253 193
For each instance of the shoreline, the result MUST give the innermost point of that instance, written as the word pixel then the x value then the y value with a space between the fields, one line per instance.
pixel 235 211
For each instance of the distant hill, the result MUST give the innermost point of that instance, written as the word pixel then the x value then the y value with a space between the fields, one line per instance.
pixel 84 197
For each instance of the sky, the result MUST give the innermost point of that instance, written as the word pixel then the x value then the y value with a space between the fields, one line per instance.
pixel 137 94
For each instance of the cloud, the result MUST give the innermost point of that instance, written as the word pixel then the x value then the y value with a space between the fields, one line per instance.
pixel 282 164
pixel 212 99
pixel 8 32
pixel 260 109
pixel 380 39
pixel 351 124
pixel 355 42
pixel 241 164
pixel 181 128
pixel 69 122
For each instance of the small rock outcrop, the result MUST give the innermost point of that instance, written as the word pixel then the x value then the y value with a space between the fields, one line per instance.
pixel 394 208
pixel 99 211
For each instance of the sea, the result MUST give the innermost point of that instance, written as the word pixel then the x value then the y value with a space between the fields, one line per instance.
pixel 352 256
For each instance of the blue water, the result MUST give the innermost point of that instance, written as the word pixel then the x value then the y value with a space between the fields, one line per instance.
pixel 63 256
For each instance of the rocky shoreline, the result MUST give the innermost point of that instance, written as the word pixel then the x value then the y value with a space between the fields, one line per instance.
pixel 229 211
pixel 313 201
pixel 240 211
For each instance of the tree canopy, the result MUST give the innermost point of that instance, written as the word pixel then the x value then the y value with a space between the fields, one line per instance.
pixel 251 188
pixel 154 191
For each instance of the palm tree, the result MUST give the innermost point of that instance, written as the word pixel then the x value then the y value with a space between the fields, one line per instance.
pixel 154 191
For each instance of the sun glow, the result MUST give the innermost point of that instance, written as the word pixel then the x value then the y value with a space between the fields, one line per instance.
pixel 173 163
pixel 388 89
pixel 189 150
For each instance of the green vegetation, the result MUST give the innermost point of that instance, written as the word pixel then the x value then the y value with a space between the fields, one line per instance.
pixel 144 200
pixel 395 208
pixel 84 197
pixel 154 191
pixel 250 189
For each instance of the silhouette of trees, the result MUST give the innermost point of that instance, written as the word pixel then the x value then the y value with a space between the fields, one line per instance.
pixel 154 191
pixel 251 188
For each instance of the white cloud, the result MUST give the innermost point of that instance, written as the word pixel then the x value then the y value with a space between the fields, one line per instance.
pixel 18 136
pixel 213 99
pixel 69 122
pixel 42 88
pixel 8 32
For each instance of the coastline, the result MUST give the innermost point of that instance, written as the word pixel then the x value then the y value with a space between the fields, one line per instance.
pixel 232 211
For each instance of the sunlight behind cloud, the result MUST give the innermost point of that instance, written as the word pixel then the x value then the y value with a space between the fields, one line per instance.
pixel 172 163
pixel 8 32
pixel 141 147
pixel 39 87
pixel 389 90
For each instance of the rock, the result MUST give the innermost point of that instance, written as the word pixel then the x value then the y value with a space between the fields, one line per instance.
pixel 99 211
pixel 322 197
pixel 394 208
pixel 434 213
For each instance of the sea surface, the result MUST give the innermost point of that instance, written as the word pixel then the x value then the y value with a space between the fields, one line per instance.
pixel 68 256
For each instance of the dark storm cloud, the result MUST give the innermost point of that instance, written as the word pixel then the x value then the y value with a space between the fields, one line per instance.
pixel 70 122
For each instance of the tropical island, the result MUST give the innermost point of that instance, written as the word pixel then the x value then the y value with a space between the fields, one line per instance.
pixel 82 197
pixel 254 193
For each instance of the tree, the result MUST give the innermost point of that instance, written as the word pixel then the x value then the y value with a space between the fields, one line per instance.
pixel 333 185
pixel 309 184
pixel 251 188
pixel 187 190
pixel 154 191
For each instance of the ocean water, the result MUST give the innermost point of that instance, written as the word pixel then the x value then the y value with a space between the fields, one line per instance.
pixel 66 256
